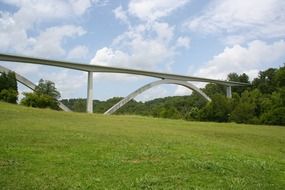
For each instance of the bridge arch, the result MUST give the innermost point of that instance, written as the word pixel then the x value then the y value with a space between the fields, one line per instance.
pixel 29 84
pixel 151 85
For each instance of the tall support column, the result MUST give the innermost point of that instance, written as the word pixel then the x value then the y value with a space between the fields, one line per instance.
pixel 90 93
pixel 229 91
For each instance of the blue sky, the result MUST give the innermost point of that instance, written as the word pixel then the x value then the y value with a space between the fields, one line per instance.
pixel 189 37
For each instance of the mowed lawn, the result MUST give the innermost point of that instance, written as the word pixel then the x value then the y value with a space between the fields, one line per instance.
pixel 44 149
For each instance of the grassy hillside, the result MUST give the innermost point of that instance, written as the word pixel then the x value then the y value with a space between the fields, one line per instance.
pixel 44 149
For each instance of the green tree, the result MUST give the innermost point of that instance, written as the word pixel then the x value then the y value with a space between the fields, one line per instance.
pixel 239 78
pixel 216 110
pixel 248 108
pixel 169 112
pixel 39 101
pixel 266 82
pixel 279 77
pixel 8 87
pixel 274 117
pixel 274 108
pixel 44 96
pixel 213 89
pixel 80 105
pixel 9 95
pixel 48 88
pixel 243 112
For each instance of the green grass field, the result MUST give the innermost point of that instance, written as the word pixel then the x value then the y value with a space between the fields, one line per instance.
pixel 44 149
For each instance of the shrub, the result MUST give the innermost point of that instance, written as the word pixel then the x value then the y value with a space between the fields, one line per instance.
pixel 243 112
pixel 274 117
pixel 9 96
pixel 39 101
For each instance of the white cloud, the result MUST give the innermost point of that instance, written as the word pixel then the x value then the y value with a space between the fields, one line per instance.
pixel 15 27
pixel 242 20
pixel 183 41
pixel 149 44
pixel 67 82
pixel 144 55
pixel 163 30
pixel 121 14
pixel 250 59
pixel 109 57
pixel 117 78
pixel 22 69
pixel 182 91
pixel 49 42
pixel 153 93
pixel 78 52
pixel 152 10
pixel 37 10
pixel 80 6
pixel 24 31
pixel 256 56
pixel 101 3
pixel 11 36
pixel 32 12
pixel 134 49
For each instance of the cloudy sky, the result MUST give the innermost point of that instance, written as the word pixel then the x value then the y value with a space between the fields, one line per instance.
pixel 189 37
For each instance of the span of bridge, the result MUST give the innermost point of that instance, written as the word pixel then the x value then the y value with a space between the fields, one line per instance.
pixel 104 69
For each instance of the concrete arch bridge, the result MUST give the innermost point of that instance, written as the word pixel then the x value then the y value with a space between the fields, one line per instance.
pixel 164 78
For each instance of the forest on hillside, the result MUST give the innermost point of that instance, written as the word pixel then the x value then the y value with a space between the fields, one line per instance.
pixel 262 102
